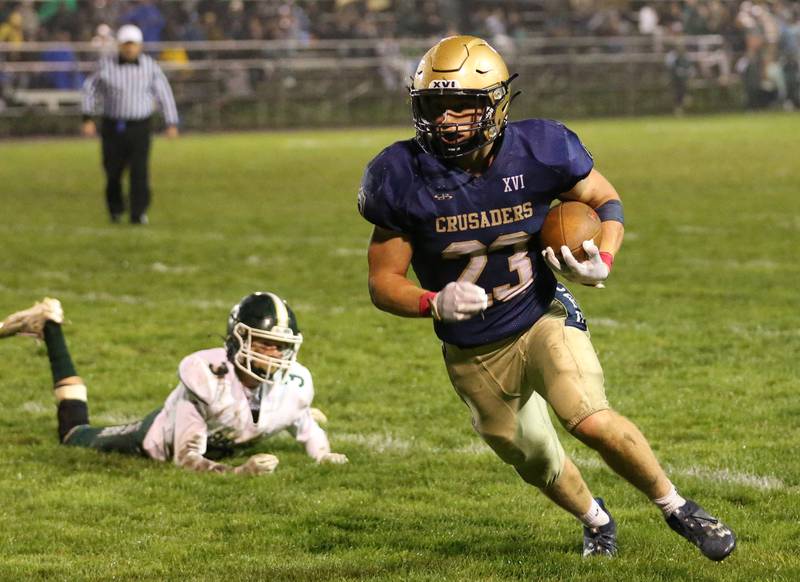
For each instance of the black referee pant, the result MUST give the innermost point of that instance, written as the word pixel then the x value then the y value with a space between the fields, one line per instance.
pixel 126 143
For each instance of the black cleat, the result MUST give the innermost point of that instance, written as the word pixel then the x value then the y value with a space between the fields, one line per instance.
pixel 600 541
pixel 714 539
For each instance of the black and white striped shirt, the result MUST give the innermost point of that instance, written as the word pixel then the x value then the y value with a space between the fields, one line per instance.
pixel 129 90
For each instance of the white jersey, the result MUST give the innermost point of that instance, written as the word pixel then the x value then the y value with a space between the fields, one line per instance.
pixel 210 407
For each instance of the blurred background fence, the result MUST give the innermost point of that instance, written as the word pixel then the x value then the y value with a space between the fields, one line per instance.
pixel 284 63
pixel 267 84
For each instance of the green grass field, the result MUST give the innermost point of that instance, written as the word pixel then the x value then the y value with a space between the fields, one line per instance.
pixel 698 331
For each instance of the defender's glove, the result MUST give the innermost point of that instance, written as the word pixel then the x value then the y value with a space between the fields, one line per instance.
pixel 258 465
pixel 333 459
pixel 458 301
pixel 593 271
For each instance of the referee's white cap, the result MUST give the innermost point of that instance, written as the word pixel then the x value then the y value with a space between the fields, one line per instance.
pixel 129 33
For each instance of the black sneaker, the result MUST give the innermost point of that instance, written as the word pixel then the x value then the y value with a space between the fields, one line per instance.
pixel 714 539
pixel 600 541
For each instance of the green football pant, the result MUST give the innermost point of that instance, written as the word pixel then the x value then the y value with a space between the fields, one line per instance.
pixel 122 438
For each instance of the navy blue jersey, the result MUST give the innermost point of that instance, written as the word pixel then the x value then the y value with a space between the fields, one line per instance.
pixel 482 229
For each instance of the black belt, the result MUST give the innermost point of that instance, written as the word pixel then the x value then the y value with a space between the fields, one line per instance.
pixel 120 125
pixel 127 122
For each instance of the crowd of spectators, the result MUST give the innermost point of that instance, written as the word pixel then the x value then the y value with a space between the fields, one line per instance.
pixel 302 20
pixel 762 36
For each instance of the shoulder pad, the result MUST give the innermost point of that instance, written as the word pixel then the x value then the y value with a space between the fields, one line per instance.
pixel 300 377
pixel 196 375
pixel 556 146
pixel 385 182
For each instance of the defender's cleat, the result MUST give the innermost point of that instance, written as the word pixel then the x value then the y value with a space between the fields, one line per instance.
pixel 714 539
pixel 31 321
pixel 600 541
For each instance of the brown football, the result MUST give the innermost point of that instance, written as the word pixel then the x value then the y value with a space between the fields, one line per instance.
pixel 570 223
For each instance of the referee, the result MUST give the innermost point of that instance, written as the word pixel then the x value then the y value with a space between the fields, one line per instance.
pixel 124 90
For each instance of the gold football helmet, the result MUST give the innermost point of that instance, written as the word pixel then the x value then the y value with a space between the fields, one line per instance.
pixel 460 97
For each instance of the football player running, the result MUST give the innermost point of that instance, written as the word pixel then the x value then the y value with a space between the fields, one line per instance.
pixel 229 396
pixel 463 204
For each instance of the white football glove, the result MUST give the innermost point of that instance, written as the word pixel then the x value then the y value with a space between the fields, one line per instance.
pixel 593 271
pixel 333 459
pixel 260 464
pixel 458 301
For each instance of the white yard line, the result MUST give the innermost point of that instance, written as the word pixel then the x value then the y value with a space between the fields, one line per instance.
pixel 764 483
pixel 761 331
pixel 101 297
pixel 98 297
pixel 349 252
pixel 109 418
pixel 751 265
pixel 153 235
pixel 34 407
pixel 388 443
pixel 160 267
pixel 695 229
pixel 381 442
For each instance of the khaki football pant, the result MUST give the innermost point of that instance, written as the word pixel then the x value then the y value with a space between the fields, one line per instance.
pixel 508 384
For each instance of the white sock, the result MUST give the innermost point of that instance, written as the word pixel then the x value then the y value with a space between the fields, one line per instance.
pixel 595 517
pixel 670 502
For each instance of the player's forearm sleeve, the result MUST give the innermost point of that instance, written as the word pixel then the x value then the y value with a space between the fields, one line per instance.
pixel 308 432
pixel 191 434
pixel 317 446
pixel 192 460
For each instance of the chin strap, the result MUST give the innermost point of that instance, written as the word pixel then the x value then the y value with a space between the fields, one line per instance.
pixel 508 86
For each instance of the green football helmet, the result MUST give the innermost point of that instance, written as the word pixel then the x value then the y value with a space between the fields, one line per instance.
pixel 262 316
